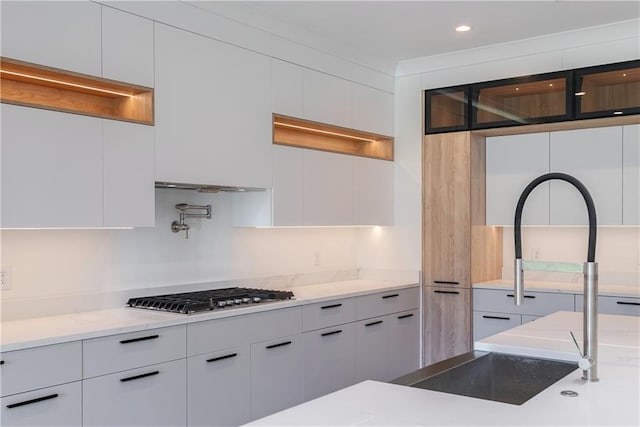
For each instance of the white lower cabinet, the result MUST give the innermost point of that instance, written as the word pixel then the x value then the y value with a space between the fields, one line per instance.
pixel 218 388
pixel 372 349
pixel 52 406
pixel 155 395
pixel 404 337
pixel 329 360
pixel 486 324
pixel 276 375
pixel 625 306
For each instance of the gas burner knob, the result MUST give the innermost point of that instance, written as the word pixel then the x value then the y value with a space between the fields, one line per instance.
pixel 257 299
pixel 222 303
pixel 238 301
pixel 229 302
pixel 246 300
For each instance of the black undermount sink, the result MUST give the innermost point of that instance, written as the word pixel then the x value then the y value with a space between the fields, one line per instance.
pixel 490 376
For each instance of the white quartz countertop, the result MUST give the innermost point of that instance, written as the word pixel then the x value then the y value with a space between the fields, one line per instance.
pixel 612 401
pixel 20 334
pixel 604 289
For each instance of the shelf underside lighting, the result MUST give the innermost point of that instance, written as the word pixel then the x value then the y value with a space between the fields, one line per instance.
pixel 64 83
pixel 323 132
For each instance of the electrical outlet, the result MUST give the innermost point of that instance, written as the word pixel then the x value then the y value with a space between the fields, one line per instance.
pixel 5 278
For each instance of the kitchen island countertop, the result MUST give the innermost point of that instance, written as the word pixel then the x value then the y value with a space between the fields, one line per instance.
pixel 612 401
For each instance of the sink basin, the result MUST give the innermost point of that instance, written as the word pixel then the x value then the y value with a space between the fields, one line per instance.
pixel 491 376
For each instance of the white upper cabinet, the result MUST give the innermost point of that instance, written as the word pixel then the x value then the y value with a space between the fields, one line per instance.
pixel 288 185
pixel 213 111
pixel 327 99
pixel 127 47
pixel 129 194
pixel 372 191
pixel 631 175
pixel 51 169
pixel 514 161
pixel 57 34
pixel 372 110
pixel 287 88
pixel 593 156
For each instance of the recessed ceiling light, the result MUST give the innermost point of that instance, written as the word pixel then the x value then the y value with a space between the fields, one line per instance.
pixel 617 113
pixel 581 93
pixel 462 28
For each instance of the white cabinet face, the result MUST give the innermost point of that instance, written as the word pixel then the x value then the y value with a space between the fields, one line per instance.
pixel 53 406
pixel 287 88
pixel 61 34
pixel 372 110
pixel 327 99
pixel 51 169
pixel 127 47
pixel 594 157
pixel 129 193
pixel 213 112
pixel 372 349
pixel 488 323
pixel 404 340
pixel 288 185
pixel 512 163
pixel 328 188
pixel 372 191
pixel 631 175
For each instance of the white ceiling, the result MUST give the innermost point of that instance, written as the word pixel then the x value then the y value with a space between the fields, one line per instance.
pixel 392 31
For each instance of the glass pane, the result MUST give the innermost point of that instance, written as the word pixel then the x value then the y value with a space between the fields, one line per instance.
pixel 447 110
pixel 611 90
pixel 523 101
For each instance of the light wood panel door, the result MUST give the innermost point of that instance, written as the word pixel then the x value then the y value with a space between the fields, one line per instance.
pixel 448 323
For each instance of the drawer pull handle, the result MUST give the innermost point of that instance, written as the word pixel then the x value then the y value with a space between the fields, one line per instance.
pixel 1 362
pixel 150 337
pixel 331 306
pixel 526 296
pixel 226 356
pixel 390 296
pixel 496 317
pixel 405 316
pixel 447 292
pixel 373 323
pixel 137 377
pixel 627 303
pixel 445 282
pixel 29 402
pixel 269 347
pixel 326 334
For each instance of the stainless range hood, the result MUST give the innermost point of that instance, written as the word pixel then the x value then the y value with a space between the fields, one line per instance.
pixel 204 188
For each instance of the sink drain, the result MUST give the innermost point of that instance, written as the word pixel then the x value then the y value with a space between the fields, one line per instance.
pixel 569 393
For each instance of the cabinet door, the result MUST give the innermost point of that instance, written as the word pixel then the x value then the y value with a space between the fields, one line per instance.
pixel 594 157
pixel 512 163
pixel 288 185
pixel 218 388
pixel 276 375
pixel 328 188
pixel 213 111
pixel 127 47
pixel 372 349
pixel 372 191
pixel 51 169
pixel 287 88
pixel 447 323
pixel 327 99
pixel 53 406
pixel 631 175
pixel 129 193
pixel 329 360
pixel 60 34
pixel 372 110
pixel 404 343
pixel 151 396
pixel 486 324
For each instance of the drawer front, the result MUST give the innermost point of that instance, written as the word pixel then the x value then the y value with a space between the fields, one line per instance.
pixel 527 318
pixel 215 335
pixel 627 306
pixel 329 313
pixel 127 351
pixel 535 303
pixel 486 324
pixel 372 349
pixel 24 370
pixel 151 396
pixel 52 406
pixel 382 303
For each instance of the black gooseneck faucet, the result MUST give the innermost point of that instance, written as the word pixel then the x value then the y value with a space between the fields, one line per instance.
pixel 588 361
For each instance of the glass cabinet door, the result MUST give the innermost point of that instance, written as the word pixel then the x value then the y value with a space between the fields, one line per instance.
pixel 522 100
pixel 446 110
pixel 608 90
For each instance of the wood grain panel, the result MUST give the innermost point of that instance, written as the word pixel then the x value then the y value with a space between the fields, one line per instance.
pixel 447 323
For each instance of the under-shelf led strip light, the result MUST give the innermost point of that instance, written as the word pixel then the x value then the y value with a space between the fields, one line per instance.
pixel 325 132
pixel 62 82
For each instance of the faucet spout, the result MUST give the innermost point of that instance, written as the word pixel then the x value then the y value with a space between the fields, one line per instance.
pixel 590 270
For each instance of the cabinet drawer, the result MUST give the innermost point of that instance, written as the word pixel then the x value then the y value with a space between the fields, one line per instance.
pixel 127 351
pixel 328 313
pixel 214 335
pixel 52 406
pixel 388 302
pixel 486 324
pixel 24 370
pixel 535 303
pixel 628 306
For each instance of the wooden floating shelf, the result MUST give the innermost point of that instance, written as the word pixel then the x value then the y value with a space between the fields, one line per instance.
pixel 318 136
pixel 37 86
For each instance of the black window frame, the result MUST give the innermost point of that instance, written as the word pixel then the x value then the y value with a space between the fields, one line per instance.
pixel 440 91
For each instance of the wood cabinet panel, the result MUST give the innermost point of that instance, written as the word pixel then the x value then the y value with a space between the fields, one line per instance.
pixel 447 323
